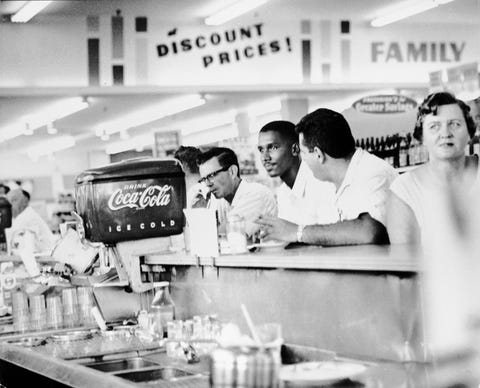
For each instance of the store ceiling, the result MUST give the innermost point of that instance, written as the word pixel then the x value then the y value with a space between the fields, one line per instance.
pixel 105 106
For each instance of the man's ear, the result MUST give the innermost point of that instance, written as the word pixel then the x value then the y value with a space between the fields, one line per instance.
pixel 233 170
pixel 319 154
pixel 295 149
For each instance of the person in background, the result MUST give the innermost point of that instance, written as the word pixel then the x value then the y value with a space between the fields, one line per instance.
pixel 220 172
pixel 301 198
pixel 475 113
pixel 4 190
pixel 445 126
pixel 24 217
pixel 361 183
pixel 196 192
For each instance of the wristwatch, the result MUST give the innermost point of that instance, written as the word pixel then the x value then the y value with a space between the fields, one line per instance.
pixel 300 229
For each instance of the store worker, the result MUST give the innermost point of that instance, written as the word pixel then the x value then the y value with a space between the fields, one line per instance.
pixel 26 218
pixel 301 198
pixel 445 126
pixel 361 183
pixel 196 192
pixel 220 172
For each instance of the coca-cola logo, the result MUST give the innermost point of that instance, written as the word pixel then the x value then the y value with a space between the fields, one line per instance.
pixel 150 196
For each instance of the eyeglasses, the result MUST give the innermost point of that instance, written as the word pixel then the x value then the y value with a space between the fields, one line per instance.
pixel 212 175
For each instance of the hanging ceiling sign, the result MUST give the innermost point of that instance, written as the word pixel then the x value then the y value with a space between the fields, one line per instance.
pixel 390 103
pixel 224 46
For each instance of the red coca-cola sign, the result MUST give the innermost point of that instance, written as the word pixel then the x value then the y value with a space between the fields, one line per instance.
pixel 118 209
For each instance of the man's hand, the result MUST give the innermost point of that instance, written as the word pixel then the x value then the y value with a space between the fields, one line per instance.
pixel 277 229
pixel 199 201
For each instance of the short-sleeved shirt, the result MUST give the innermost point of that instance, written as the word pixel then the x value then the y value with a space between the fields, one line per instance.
pixel 365 187
pixel 29 219
pixel 421 195
pixel 250 201
pixel 309 202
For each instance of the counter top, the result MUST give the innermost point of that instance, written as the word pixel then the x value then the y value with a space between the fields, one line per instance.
pixel 379 373
pixel 387 258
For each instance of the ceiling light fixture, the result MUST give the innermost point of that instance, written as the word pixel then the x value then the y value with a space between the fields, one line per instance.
pixel 151 113
pixel 207 122
pixel 28 11
pixel 134 143
pixel 232 11
pixel 50 146
pixel 48 114
pixel 409 9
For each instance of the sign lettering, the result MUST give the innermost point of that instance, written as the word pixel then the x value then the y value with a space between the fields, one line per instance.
pixel 151 196
pixel 417 51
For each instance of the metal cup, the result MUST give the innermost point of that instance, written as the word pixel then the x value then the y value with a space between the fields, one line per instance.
pixel 19 301
pixel 54 312
pixel 20 311
pixel 70 306
pixel 85 304
pixel 37 312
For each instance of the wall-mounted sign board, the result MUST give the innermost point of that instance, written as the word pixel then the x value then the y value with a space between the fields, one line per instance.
pixel 385 104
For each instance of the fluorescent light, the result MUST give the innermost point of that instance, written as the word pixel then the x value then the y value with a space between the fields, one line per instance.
pixel 206 122
pixel 232 11
pixel 411 8
pixel 261 108
pixel 136 142
pixel 50 146
pixel 28 11
pixel 44 116
pixel 149 114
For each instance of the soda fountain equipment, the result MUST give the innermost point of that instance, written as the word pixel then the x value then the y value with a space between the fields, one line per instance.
pixel 131 208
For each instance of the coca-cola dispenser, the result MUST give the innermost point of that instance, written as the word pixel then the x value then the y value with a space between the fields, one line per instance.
pixel 132 207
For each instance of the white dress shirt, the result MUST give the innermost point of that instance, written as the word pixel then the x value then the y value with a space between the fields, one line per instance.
pixel 250 201
pixel 309 202
pixel 365 187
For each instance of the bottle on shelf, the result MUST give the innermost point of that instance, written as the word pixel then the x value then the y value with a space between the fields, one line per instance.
pixel 403 151
pixel 162 309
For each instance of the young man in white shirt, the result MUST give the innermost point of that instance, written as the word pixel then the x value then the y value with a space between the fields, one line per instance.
pixel 220 172
pixel 25 218
pixel 361 181
pixel 301 198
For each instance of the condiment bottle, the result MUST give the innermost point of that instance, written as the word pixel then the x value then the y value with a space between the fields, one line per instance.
pixel 162 309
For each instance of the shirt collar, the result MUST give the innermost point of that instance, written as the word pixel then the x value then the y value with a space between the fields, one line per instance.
pixel 303 175
pixel 351 171
pixel 240 188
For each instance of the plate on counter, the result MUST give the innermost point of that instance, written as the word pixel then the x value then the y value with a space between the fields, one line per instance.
pixel 319 372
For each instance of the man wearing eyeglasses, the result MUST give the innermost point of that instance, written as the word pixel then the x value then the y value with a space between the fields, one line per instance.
pixel 220 172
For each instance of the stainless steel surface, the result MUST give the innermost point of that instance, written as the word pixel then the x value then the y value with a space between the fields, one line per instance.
pixel 165 373
pixel 76 335
pixel 28 342
pixel 122 365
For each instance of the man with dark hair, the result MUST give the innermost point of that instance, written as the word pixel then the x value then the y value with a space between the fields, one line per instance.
pixel 361 185
pixel 196 192
pixel 220 172
pixel 301 198
pixel 25 218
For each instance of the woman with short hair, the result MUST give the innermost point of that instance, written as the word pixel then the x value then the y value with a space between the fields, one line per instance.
pixel 445 127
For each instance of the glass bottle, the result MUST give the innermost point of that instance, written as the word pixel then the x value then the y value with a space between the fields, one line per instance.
pixel 236 236
pixel 162 309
